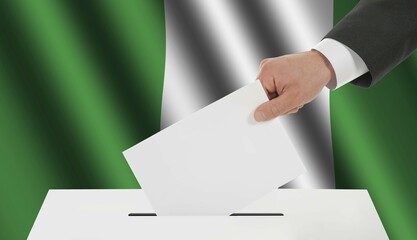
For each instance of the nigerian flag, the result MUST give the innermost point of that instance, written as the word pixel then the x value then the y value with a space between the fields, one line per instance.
pixel 80 82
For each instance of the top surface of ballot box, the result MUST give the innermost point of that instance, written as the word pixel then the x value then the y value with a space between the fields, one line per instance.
pixel 308 214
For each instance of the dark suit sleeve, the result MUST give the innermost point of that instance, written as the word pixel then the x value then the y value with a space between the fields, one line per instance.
pixel 382 32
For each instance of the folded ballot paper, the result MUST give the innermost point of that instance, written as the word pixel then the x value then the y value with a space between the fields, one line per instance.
pixel 217 160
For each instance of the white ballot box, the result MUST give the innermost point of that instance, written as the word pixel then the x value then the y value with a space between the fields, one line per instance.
pixel 282 214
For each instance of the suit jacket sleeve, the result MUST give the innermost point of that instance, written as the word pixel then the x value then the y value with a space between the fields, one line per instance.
pixel 382 32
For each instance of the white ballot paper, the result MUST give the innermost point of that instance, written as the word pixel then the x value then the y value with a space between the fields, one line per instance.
pixel 217 160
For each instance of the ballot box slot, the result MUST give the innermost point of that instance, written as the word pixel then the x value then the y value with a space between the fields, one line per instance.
pixel 142 214
pixel 232 215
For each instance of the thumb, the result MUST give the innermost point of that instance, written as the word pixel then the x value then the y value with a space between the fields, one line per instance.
pixel 275 107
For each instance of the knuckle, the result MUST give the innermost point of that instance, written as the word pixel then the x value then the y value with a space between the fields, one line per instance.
pixel 267 65
pixel 262 63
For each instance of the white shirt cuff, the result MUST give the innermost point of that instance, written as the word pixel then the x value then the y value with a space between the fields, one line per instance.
pixel 347 64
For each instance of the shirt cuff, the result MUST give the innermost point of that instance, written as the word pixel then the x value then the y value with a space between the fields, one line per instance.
pixel 346 63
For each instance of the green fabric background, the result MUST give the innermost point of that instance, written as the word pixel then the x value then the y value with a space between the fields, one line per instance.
pixel 81 82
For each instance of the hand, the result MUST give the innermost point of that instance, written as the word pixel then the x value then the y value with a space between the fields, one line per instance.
pixel 291 81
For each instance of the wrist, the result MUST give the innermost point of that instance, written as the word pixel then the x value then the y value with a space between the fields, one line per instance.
pixel 325 69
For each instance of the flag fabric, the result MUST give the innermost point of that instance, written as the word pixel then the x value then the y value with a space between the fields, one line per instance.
pixel 80 82
pixel 221 51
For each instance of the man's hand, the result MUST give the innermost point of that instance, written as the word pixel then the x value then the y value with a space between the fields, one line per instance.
pixel 291 81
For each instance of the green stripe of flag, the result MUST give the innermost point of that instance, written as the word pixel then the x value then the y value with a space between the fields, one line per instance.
pixel 374 134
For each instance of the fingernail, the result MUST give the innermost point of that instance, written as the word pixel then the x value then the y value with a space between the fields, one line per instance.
pixel 260 116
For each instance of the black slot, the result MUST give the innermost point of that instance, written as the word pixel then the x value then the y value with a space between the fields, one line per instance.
pixel 142 214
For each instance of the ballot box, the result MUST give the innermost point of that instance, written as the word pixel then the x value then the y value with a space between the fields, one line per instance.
pixel 282 214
